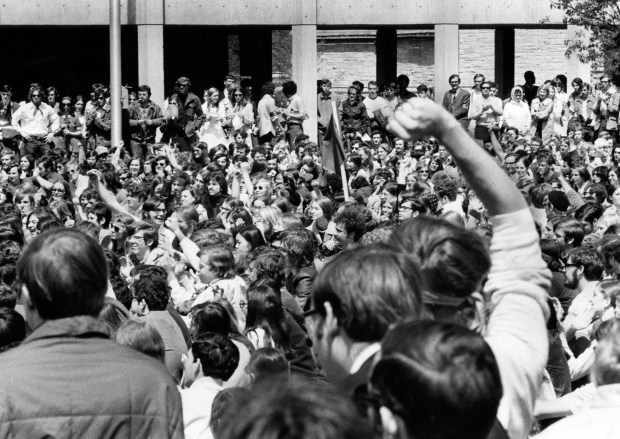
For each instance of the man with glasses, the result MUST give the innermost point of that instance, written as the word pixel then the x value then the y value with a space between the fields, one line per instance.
pixel 485 110
pixel 144 118
pixel 607 106
pixel 456 101
pixel 36 122
pixel 182 129
pixel 583 270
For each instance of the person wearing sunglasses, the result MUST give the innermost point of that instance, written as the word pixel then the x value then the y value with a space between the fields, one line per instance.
pixel 485 111
pixel 99 120
pixel 144 118
pixel 185 120
pixel 36 122
pixel 242 115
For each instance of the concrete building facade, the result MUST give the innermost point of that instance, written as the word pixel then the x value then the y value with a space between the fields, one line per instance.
pixel 163 39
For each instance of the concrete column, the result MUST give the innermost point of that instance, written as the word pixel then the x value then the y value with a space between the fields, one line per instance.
pixel 151 59
pixel 504 61
pixel 574 67
pixel 446 57
pixel 386 54
pixel 305 73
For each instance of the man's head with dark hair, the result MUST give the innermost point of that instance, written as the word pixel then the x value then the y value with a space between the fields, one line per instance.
pixel 300 410
pixel 568 233
pixel 300 246
pixel 356 297
pixel 446 187
pixel 268 88
pixel 453 263
pixel 350 223
pixel 584 263
pixel 289 88
pixel 12 328
pixel 101 214
pixel 8 297
pixel 455 376
pixel 152 293
pixel 217 354
pixel 223 408
pixel 62 273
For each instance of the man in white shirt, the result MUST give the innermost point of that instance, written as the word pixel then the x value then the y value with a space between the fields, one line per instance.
pixel 212 360
pixel 295 112
pixel 268 124
pixel 486 111
pixel 36 122
pixel 378 109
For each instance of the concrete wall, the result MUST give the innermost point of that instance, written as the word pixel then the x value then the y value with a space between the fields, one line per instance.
pixel 542 51
pixel 281 12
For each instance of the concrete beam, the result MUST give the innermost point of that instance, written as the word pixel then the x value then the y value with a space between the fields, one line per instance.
pixel 305 73
pixel 371 13
pixel 446 57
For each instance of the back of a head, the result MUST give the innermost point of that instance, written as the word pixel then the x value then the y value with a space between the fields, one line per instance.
pixel 298 410
pixel 369 288
pixel 454 373
pixel 12 328
pixel 223 408
pixel 142 337
pixel 268 364
pixel 453 261
pixel 218 355
pixel 66 274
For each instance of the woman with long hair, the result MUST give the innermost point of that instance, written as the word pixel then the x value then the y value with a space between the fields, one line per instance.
pixel 268 325
pixel 212 132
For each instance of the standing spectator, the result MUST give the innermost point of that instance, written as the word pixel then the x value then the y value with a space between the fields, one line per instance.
pixel 181 127
pixel 114 391
pixel 324 106
pixel 268 123
pixel 36 122
pixel 607 105
pixel 353 115
pixel 456 101
pixel 144 118
pixel 530 91
pixel 378 110
pixel 486 111
pixel 295 112
pixel 99 120
pixel 517 113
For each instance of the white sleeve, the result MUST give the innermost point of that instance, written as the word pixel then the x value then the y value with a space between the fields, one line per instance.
pixel 517 285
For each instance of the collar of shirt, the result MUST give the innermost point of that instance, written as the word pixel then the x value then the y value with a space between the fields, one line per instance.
pixel 364 355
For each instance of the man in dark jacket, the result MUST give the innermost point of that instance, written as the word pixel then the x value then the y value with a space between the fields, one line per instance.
pixel 67 379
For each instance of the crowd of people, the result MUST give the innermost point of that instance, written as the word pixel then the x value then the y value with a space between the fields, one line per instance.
pixel 212 276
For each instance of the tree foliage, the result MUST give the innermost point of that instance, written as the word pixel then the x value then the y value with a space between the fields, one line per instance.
pixel 601 19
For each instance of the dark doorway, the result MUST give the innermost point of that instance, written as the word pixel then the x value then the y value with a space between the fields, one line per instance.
pixel 70 58
pixel 198 52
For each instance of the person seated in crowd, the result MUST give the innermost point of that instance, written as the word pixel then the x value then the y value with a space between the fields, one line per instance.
pixel 212 360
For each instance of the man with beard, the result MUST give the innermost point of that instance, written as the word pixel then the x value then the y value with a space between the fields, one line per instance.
pixel 583 270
